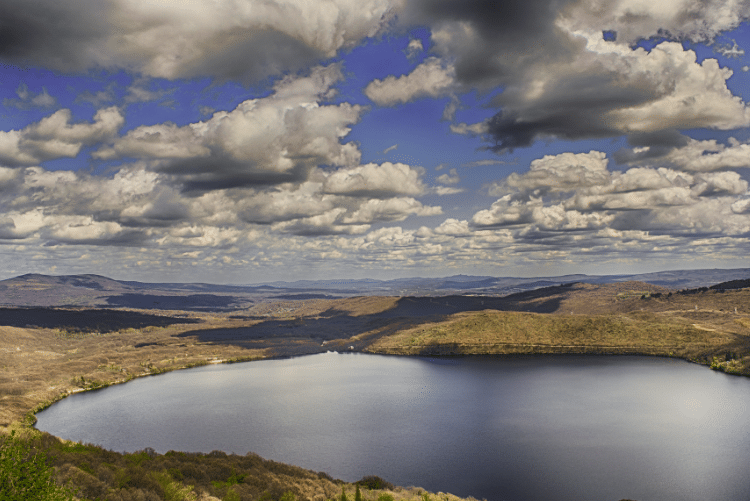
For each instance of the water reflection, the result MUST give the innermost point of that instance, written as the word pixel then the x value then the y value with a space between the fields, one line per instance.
pixel 502 428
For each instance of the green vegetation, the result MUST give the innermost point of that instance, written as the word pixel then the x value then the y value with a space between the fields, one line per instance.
pixel 33 460
pixel 25 474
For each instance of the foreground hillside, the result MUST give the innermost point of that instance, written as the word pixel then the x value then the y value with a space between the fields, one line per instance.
pixel 48 353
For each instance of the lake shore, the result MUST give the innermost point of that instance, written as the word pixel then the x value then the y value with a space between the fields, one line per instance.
pixel 42 365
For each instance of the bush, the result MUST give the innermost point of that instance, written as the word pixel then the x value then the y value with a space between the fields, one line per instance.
pixel 374 482
pixel 288 496
pixel 26 476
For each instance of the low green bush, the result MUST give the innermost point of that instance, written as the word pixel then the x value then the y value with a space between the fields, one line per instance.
pixel 25 474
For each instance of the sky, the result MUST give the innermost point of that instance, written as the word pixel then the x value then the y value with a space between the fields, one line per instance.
pixel 247 141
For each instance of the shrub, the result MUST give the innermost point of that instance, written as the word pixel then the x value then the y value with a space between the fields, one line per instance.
pixel 374 482
pixel 26 476
pixel 288 496
pixel 385 497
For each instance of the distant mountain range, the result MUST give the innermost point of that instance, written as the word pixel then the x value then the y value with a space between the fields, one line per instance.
pixel 678 279
pixel 99 291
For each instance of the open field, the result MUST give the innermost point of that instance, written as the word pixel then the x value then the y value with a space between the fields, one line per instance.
pixel 46 354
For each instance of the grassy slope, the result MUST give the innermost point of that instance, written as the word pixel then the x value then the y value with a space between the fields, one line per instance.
pixel 612 319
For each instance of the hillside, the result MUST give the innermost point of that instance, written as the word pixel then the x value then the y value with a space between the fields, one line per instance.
pixel 48 353
pixel 102 292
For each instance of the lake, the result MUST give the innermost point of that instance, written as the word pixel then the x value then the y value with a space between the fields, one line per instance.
pixel 526 428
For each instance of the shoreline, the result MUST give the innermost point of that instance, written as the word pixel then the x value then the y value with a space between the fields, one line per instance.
pixel 623 352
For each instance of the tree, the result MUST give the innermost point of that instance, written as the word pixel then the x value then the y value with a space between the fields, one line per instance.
pixel 26 476
pixel 357 494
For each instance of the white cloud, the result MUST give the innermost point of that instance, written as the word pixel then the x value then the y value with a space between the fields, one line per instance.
pixel 55 137
pixel 689 94
pixel 445 190
pixel 733 50
pixel 741 206
pixel 453 227
pixel 156 141
pixel 375 180
pixel 719 183
pixel 285 204
pixel 391 209
pixel 556 173
pixel 433 78
pixel 414 48
pixel 636 19
pixel 574 193
pixel 710 155
pixel 262 141
pixel 321 224
pixel 476 129
pixel 450 178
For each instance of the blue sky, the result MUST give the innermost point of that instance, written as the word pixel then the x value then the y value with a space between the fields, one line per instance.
pixel 244 141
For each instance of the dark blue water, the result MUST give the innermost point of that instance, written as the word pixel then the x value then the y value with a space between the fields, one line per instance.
pixel 502 428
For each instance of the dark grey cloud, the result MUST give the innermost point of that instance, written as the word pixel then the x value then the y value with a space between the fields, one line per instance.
pixel 251 55
pixel 562 77
pixel 124 238
pixel 657 145
pixel 225 40
pixel 54 34
pixel 196 176
pixel 510 35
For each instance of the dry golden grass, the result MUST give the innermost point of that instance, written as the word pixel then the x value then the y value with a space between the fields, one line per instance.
pixel 512 332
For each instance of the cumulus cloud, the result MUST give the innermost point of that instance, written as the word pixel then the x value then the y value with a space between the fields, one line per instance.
pixel 55 137
pixel 576 192
pixel 391 209
pixel 558 173
pixel 322 224
pixel 612 89
pixel 561 79
pixel 376 180
pixel 282 204
pixel 453 227
pixel 450 178
pixel 231 39
pixel 682 19
pixel 139 207
pixel 710 155
pixel 433 78
pixel 264 141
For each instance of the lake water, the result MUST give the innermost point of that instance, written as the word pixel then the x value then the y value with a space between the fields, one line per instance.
pixel 502 428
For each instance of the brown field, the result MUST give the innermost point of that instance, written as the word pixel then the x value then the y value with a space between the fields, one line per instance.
pixel 46 354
